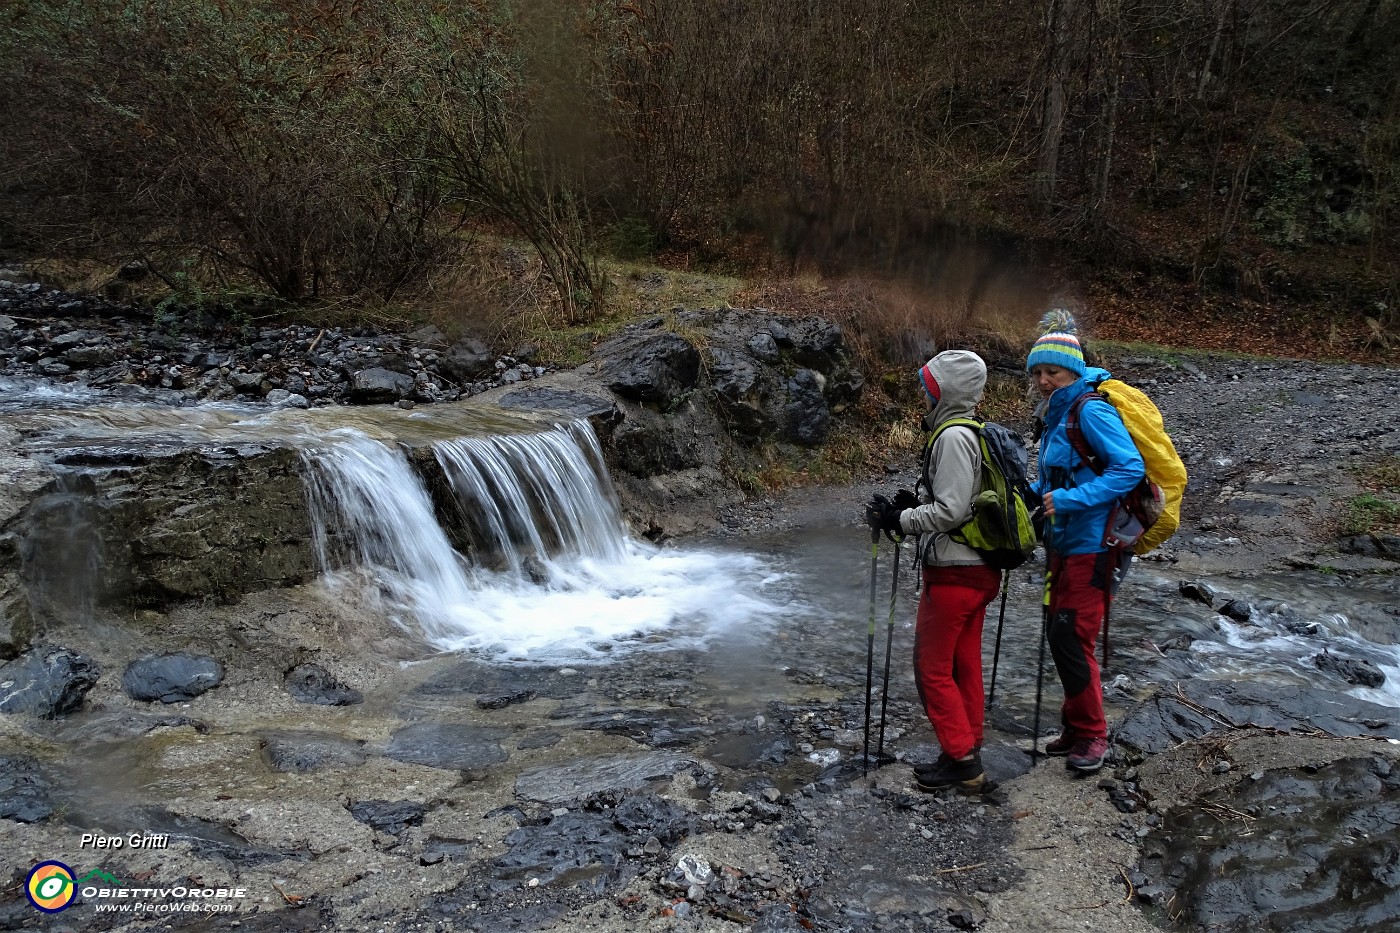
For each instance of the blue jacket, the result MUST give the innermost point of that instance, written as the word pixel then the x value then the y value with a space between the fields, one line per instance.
pixel 1084 499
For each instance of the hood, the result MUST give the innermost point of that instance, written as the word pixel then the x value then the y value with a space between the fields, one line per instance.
pixel 1059 401
pixel 962 378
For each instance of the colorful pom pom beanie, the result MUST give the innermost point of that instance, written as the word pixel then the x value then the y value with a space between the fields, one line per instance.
pixel 1058 345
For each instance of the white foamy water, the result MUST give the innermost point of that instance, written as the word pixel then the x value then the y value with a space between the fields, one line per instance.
pixel 551 576
pixel 1282 644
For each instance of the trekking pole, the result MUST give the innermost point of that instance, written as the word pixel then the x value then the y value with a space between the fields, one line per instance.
pixel 889 645
pixel 1001 620
pixel 870 648
pixel 1107 609
pixel 1115 578
pixel 1040 666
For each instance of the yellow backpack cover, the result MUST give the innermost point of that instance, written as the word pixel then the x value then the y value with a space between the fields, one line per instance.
pixel 1159 456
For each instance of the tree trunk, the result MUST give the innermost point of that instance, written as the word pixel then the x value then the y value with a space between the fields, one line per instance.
pixel 1054 104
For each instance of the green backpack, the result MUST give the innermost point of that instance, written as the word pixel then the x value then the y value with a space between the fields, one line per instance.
pixel 1000 529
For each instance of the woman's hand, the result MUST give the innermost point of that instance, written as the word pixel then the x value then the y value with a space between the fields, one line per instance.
pixel 1049 500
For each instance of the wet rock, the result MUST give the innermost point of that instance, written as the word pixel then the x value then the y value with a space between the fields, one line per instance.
pixel 1384 547
pixel 742 391
pixel 379 386
pixel 447 745
pixel 1164 721
pixel 750 749
pixel 1237 609
pixel 656 367
pixel 765 348
pixel 24 790
pixel 807 419
pixel 661 729
pixel 540 739
pixel 171 678
pixel 312 683
pixel 1356 671
pixel 579 848
pixel 46 681
pixel 310 751
pixel 1180 642
pixel 595 408
pixel 1309 834
pixel 112 726
pixel 285 399
pixel 446 850
pixel 645 816
pixel 388 816
pixel 1003 761
pixel 581 777
pixel 1198 591
pixel 502 700
pixel 474 678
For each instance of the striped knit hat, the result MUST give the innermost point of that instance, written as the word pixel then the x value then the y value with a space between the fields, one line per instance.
pixel 930 384
pixel 1059 346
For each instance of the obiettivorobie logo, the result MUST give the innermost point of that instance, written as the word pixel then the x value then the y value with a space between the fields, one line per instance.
pixel 51 887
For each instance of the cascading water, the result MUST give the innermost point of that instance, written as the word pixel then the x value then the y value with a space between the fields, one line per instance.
pixel 552 576
pixel 535 494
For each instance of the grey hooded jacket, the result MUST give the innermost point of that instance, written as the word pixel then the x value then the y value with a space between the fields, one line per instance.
pixel 954 465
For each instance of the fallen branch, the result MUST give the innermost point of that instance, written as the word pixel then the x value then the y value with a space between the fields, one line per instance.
pixel 950 871
pixel 1129 882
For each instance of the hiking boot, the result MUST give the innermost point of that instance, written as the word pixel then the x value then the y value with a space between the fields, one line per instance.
pixel 1087 755
pixel 964 776
pixel 1058 748
pixel 931 767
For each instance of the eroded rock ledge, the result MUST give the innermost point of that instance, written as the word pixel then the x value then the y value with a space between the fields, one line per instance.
pixel 681 411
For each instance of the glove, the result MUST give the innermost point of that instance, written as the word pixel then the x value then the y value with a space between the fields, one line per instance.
pixel 882 515
pixel 904 499
pixel 1038 523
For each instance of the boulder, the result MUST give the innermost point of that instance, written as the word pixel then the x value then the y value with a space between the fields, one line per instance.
pixel 806 417
pixel 46 681
pixel 379 386
pixel 171 678
pixel 466 360
pixel 655 367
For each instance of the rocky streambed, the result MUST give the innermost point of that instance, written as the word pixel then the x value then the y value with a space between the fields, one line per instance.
pixel 293 755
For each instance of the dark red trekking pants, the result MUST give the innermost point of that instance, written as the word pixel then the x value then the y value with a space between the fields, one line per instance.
pixel 1079 588
pixel 948 652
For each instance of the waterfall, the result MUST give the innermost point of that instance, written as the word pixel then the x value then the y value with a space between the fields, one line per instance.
pixel 536 494
pixel 371 510
pixel 550 574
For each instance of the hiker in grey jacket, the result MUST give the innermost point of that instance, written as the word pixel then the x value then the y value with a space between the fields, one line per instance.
pixel 958 584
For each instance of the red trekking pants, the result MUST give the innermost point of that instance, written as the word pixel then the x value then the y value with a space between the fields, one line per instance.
pixel 948 652
pixel 1079 594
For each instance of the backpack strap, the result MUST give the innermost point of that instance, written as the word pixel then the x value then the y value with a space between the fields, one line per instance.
pixel 1075 434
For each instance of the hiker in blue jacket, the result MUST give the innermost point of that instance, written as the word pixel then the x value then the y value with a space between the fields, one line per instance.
pixel 1081 570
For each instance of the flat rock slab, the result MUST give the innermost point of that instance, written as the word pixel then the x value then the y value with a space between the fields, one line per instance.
pixel 388 816
pixel 24 790
pixel 1203 706
pixel 449 746
pixel 565 401
pixel 581 777
pixel 310 751
pixel 473 679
